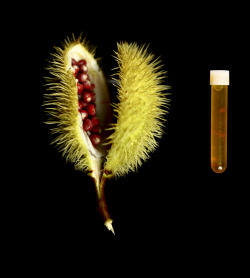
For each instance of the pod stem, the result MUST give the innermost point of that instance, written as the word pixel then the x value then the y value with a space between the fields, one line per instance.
pixel 102 205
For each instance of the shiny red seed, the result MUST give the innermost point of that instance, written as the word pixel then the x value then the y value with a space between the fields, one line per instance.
pixel 87 97
pixel 82 62
pixel 95 139
pixel 93 85
pixel 80 105
pixel 84 114
pixel 96 129
pixel 87 124
pixel 95 121
pixel 73 62
pixel 91 109
pixel 87 85
pixel 76 69
pixel 79 88
pixel 83 68
pixel 82 77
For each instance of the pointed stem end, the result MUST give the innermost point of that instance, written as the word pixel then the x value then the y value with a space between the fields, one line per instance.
pixel 109 226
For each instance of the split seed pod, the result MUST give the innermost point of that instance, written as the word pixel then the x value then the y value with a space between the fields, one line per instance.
pixel 108 149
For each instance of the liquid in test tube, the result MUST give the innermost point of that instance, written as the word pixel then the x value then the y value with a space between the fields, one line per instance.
pixel 219 81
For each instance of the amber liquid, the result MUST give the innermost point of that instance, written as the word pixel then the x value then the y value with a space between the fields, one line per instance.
pixel 219 100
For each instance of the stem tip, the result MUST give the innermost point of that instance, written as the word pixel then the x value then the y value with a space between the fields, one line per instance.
pixel 109 226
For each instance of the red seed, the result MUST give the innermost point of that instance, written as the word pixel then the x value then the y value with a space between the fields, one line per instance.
pixel 76 69
pixel 82 77
pixel 95 139
pixel 79 88
pixel 87 85
pixel 87 97
pixel 87 124
pixel 83 68
pixel 91 109
pixel 82 62
pixel 80 105
pixel 95 121
pixel 73 62
pixel 84 114
pixel 93 85
pixel 96 129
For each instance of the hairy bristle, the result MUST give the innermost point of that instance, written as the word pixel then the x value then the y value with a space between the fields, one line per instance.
pixel 140 111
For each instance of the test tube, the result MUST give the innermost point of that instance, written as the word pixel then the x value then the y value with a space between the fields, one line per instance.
pixel 219 81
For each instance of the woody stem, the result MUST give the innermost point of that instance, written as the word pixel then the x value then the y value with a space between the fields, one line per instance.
pixel 102 205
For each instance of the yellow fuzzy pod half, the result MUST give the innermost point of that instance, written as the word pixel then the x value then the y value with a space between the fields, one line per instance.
pixel 62 106
pixel 140 111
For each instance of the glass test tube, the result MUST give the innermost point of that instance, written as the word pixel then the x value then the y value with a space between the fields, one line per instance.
pixel 219 81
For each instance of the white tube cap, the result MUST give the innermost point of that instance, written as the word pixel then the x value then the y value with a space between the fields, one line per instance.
pixel 219 77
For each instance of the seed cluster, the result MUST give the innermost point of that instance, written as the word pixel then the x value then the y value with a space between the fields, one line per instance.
pixel 86 101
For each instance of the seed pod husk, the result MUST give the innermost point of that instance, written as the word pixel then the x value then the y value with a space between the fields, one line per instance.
pixel 140 112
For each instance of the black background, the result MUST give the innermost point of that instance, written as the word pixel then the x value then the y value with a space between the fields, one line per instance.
pixel 174 213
